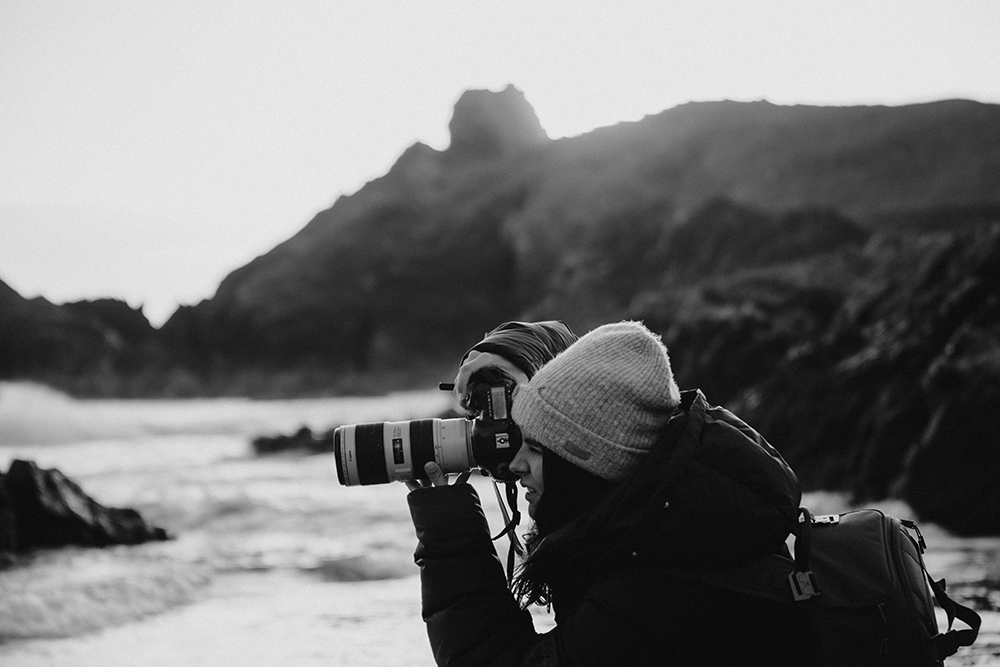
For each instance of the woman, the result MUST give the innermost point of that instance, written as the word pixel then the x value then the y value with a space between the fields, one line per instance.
pixel 654 515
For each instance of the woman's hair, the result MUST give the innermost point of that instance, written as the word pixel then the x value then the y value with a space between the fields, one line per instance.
pixel 553 549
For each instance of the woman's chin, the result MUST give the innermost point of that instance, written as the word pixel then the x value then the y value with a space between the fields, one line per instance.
pixel 532 499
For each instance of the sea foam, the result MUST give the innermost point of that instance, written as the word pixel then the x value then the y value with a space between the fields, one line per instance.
pixel 80 591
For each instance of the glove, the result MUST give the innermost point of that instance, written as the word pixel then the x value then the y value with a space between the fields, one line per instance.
pixel 477 361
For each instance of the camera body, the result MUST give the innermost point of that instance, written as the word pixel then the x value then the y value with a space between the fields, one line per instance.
pixel 382 452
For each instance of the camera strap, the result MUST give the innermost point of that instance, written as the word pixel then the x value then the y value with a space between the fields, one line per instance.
pixel 512 520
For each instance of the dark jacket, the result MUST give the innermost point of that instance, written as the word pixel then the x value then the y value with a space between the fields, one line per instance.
pixel 712 496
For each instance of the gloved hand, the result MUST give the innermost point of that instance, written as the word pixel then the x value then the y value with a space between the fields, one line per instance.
pixel 477 361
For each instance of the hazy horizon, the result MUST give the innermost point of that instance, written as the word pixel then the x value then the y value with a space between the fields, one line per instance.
pixel 150 149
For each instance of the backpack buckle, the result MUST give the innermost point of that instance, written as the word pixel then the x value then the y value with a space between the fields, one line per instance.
pixel 912 526
pixel 803 585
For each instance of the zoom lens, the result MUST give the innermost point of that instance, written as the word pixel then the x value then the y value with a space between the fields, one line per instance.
pixel 383 452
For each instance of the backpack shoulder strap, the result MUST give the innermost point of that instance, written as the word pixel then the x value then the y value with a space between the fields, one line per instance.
pixel 768 578
pixel 950 641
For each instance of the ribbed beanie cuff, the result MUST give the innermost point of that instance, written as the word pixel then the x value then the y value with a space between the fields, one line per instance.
pixel 602 403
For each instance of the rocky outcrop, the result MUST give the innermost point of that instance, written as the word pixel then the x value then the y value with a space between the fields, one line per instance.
pixel 36 336
pixel 491 125
pixel 44 509
pixel 885 385
pixel 303 441
pixel 723 238
pixel 874 367
pixel 89 347
pixel 949 474
pixel 8 524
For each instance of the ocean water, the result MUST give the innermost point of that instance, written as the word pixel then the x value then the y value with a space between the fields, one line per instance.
pixel 272 562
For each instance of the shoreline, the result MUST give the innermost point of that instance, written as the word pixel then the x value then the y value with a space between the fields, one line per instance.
pixel 256 619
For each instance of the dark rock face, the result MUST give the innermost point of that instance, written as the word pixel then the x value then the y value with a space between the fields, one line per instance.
pixel 8 521
pixel 950 474
pixel 898 395
pixel 120 324
pixel 35 335
pixel 722 238
pixel 44 509
pixel 874 367
pixel 90 347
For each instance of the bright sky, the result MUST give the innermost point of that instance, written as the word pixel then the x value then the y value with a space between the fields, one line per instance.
pixel 148 148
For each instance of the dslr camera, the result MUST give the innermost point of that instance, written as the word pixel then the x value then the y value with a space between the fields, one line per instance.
pixel 382 452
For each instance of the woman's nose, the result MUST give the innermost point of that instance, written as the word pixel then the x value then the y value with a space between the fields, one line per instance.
pixel 518 466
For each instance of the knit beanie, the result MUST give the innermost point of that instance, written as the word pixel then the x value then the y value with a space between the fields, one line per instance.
pixel 602 403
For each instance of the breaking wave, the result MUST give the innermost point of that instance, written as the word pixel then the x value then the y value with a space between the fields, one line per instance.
pixel 78 591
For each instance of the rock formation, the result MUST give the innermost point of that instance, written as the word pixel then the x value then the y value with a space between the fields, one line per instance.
pixel 303 441
pixel 506 224
pixel 492 125
pixel 44 509
pixel 875 371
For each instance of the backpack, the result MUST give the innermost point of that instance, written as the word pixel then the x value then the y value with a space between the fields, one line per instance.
pixel 873 597
pixel 862 575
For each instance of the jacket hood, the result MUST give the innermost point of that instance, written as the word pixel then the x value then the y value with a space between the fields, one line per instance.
pixel 712 492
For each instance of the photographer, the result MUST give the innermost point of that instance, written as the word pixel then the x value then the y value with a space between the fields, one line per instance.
pixel 643 499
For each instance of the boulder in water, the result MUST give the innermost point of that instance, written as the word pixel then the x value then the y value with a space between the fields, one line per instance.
pixel 44 508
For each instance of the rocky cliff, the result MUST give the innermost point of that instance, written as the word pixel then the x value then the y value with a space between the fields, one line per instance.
pixel 90 347
pixel 505 223
pixel 874 368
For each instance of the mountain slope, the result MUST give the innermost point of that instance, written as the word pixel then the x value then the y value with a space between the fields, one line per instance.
pixel 506 223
